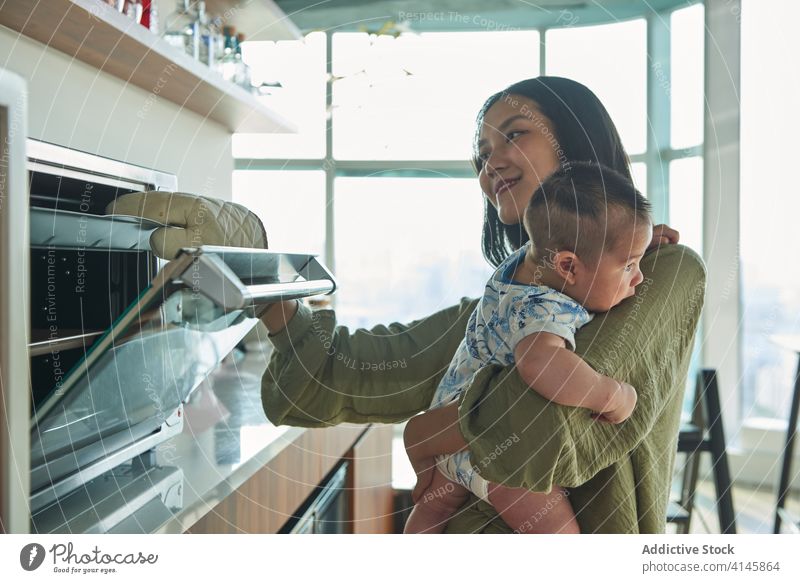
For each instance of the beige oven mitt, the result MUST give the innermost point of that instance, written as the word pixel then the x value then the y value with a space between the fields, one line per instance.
pixel 193 221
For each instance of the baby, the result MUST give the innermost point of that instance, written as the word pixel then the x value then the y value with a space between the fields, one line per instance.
pixel 588 227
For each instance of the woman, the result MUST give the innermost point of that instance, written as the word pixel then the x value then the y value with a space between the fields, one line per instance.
pixel 618 475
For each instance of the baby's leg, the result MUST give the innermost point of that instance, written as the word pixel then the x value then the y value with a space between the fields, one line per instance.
pixel 436 505
pixel 534 512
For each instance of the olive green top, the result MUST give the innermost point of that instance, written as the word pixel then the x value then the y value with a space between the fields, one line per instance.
pixel 618 475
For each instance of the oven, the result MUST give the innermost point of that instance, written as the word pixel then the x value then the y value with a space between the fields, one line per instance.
pixel 118 338
pixel 327 509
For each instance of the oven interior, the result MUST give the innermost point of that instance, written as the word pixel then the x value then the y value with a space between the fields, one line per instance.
pixel 76 293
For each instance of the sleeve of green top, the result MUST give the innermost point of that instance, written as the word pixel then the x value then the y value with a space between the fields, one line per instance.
pixel 323 374
pixel 522 440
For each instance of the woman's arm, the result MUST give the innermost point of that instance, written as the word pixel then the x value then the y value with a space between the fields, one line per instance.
pixel 561 376
pixel 323 374
pixel 278 315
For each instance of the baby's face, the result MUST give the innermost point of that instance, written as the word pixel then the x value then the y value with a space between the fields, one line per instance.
pixel 616 273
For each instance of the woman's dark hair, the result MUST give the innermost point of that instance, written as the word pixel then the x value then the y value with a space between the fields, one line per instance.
pixel 584 132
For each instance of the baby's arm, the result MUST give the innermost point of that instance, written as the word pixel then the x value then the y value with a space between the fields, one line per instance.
pixel 561 376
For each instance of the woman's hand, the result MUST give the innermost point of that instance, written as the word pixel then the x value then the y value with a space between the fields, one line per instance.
pixel 193 221
pixel 663 235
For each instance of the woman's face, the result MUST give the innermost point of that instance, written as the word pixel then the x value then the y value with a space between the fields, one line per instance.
pixel 517 148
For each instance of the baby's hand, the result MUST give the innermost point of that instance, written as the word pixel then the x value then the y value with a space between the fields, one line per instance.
pixel 664 235
pixel 627 403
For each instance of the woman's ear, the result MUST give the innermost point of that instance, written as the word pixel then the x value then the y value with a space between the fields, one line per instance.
pixel 566 264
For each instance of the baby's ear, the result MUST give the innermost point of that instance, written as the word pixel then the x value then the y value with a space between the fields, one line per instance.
pixel 566 263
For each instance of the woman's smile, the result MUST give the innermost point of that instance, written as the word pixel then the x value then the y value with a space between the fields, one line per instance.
pixel 502 185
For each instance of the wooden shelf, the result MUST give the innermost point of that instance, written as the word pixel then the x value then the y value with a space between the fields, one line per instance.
pixel 98 35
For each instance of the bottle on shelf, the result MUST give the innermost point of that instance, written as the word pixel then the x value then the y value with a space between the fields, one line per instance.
pixel 150 16
pixel 218 38
pixel 242 71
pixel 227 62
pixel 183 29
pixel 207 36
pixel 134 10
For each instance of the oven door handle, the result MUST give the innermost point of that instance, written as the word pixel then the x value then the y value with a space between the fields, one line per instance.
pixel 208 274
pixel 268 292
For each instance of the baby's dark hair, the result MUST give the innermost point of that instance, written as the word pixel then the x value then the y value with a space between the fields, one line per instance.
pixel 581 208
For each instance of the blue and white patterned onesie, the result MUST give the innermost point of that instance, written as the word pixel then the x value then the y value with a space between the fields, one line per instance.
pixel 508 312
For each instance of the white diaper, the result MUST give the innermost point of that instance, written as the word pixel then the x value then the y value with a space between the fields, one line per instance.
pixel 458 468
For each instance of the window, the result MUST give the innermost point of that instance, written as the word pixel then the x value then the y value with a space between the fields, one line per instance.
pixel 611 60
pixel 291 204
pixel 639 174
pixel 415 97
pixel 299 66
pixel 686 200
pixel 769 205
pixel 406 247
pixel 686 83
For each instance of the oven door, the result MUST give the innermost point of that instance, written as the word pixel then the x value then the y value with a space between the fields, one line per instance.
pixel 134 378
pixel 327 510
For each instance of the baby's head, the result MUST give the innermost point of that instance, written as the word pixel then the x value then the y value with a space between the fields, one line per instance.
pixel 589 228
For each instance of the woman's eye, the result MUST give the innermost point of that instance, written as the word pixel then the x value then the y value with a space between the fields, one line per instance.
pixel 484 156
pixel 628 268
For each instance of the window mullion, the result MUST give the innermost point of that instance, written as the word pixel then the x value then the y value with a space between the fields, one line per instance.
pixel 658 114
pixel 328 164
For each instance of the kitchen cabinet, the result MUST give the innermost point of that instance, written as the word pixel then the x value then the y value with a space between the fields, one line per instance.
pixel 265 502
pixel 371 481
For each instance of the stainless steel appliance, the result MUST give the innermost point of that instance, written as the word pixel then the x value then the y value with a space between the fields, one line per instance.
pixel 119 338
pixel 13 305
pixel 327 510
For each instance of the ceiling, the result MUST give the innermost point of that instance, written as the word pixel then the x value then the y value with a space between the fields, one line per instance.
pixel 464 15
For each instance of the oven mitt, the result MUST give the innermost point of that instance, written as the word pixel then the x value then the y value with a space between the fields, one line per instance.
pixel 193 221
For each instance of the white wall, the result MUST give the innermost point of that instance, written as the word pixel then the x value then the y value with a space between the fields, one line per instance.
pixel 75 105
